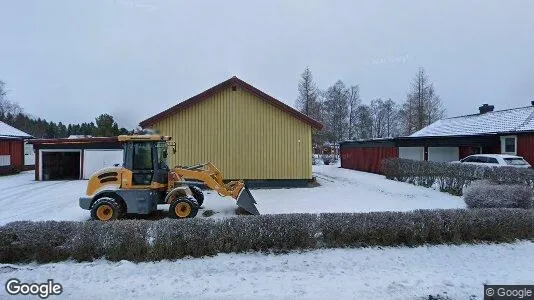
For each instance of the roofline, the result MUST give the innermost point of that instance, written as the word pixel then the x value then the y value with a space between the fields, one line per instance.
pixel 498 133
pixel 215 89
pixel 18 137
pixel 489 112
pixel 75 141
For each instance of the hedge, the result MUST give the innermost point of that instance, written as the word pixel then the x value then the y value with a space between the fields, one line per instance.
pixel 145 240
pixel 486 194
pixel 452 177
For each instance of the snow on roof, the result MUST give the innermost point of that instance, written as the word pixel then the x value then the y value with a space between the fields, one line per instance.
pixel 79 136
pixel 503 121
pixel 7 131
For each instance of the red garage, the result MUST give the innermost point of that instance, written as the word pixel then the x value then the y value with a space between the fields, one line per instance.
pixel 14 156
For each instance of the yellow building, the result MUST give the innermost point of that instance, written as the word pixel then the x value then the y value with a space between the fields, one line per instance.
pixel 245 132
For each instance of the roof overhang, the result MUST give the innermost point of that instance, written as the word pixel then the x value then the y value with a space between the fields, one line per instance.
pixel 234 81
pixel 14 137
pixel 489 140
pixel 450 141
pixel 63 141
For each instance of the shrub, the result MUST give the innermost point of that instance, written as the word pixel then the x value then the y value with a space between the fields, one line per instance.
pixel 41 242
pixel 144 240
pixel 486 194
pixel 452 177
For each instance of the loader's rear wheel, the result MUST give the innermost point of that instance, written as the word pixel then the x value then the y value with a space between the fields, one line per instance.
pixel 106 209
pixel 182 208
pixel 197 194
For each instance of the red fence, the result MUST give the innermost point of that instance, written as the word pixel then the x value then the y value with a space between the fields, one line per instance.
pixel 366 159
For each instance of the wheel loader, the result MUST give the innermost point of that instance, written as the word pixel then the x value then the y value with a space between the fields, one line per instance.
pixel 144 180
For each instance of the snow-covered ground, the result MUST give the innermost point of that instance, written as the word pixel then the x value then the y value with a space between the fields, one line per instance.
pixel 340 190
pixel 370 273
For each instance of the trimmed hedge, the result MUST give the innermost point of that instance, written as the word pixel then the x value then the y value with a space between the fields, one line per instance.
pixel 452 177
pixel 486 194
pixel 144 240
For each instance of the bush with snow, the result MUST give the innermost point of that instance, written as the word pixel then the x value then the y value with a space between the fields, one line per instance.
pixel 452 178
pixel 487 194
pixel 144 240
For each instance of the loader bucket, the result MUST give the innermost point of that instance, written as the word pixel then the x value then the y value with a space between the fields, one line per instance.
pixel 246 201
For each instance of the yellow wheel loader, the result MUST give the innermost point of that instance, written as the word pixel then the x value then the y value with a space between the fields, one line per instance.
pixel 145 180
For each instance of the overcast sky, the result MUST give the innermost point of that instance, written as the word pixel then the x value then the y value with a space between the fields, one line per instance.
pixel 70 60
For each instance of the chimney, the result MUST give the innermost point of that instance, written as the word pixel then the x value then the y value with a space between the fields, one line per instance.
pixel 485 108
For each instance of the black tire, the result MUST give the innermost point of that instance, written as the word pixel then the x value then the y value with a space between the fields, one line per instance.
pixel 106 209
pixel 197 194
pixel 182 208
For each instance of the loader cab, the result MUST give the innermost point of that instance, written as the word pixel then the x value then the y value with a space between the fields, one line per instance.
pixel 147 160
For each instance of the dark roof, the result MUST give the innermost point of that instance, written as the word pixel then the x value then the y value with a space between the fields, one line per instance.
pixel 75 141
pixel 234 81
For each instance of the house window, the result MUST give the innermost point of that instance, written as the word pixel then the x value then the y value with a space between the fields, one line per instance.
pixel 509 144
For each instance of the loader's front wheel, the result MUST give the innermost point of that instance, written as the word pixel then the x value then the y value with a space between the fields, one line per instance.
pixel 106 209
pixel 182 208
pixel 197 194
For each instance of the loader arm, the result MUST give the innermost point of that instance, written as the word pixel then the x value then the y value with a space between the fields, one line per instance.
pixel 211 176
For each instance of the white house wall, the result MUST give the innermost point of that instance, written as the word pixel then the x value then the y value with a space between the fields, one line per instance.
pixel 29 155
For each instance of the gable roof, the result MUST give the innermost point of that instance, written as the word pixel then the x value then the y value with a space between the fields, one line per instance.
pixel 7 131
pixel 503 121
pixel 234 81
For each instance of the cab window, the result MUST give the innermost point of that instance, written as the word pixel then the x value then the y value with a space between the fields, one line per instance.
pixel 142 156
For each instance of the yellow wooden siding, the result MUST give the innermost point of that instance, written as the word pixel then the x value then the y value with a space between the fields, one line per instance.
pixel 245 137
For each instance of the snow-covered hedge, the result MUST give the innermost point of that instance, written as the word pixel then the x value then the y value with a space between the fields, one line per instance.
pixel 450 177
pixel 486 194
pixel 143 240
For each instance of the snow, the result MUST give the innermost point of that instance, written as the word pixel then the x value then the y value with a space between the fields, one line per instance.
pixel 344 190
pixel 9 131
pixel 366 273
pixel 504 121
pixel 340 190
pixel 23 198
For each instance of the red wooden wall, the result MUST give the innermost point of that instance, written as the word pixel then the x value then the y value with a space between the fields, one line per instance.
pixel 525 147
pixel 366 159
pixel 464 152
pixel 15 148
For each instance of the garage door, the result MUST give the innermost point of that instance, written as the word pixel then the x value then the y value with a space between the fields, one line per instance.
pixel 94 160
pixel 60 164
pixel 415 153
pixel 443 154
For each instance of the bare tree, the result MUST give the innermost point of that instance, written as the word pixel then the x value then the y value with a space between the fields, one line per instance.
pixel 377 113
pixel 422 106
pixel 354 102
pixel 335 111
pixel 307 100
pixel 391 115
pixel 7 107
pixel 363 122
